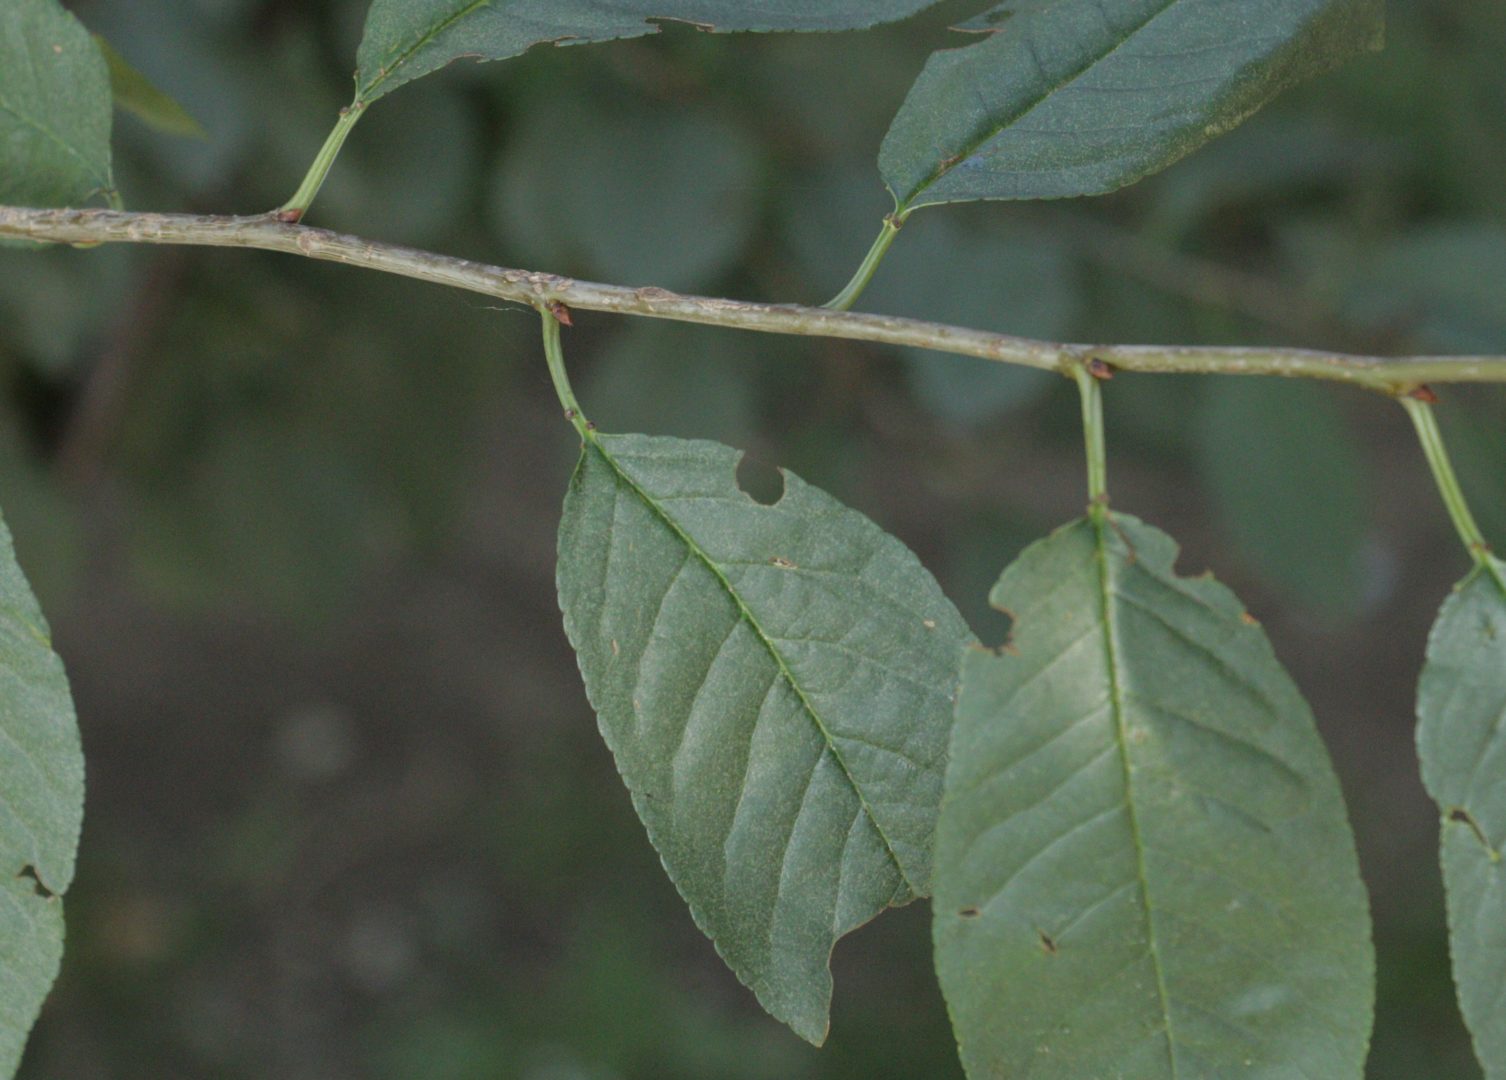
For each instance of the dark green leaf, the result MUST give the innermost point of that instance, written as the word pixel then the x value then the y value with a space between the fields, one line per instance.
pixel 776 684
pixel 135 94
pixel 41 807
pixel 1288 478
pixel 54 108
pixel 1460 704
pixel 1081 97
pixel 1143 868
pixel 406 39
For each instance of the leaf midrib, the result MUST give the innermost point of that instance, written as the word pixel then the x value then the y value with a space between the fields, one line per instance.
pixel 970 149
pixel 1101 525
pixel 784 669
pixel 363 94
pixel 36 125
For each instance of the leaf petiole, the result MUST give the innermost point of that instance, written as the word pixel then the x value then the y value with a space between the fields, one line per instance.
pixel 554 353
pixel 844 300
pixel 1431 437
pixel 1089 384
pixel 294 209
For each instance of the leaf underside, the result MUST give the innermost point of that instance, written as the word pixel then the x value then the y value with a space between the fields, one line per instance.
pixel 1143 865
pixel 406 39
pixel 776 685
pixel 41 807
pixel 54 108
pixel 1461 737
pixel 1079 97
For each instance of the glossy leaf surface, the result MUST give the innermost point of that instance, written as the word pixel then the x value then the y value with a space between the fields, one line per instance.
pixel 41 806
pixel 1460 708
pixel 1081 97
pixel 776 684
pixel 1143 868
pixel 54 108
pixel 406 39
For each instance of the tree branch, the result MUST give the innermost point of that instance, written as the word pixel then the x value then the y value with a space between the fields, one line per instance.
pixel 1386 375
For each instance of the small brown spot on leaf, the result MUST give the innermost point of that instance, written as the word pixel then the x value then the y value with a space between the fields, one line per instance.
pixel 1248 619
pixel 1048 943
pixel 969 913
pixel 783 563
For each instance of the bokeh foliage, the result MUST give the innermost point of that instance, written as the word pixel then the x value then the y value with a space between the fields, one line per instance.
pixel 293 543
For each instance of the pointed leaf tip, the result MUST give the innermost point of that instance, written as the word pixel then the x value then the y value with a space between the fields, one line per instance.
pixel 776 685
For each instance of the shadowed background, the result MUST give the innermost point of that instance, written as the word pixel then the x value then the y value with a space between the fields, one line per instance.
pixel 294 524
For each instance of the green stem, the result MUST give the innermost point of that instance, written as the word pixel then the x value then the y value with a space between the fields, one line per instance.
pixel 844 300
pixel 304 197
pixel 1091 389
pixel 554 353
pixel 1426 422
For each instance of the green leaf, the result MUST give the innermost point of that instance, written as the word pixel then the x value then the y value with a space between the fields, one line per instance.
pixel 1288 478
pixel 406 39
pixel 54 108
pixel 135 94
pixel 1460 704
pixel 776 684
pixel 41 807
pixel 1143 867
pixel 1081 97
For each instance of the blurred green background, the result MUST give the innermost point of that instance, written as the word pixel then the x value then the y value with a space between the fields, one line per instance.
pixel 348 814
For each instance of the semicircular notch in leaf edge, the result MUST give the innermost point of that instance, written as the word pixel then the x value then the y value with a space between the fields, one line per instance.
pixel 1461 701
pixel 775 683
pixel 41 806
pixel 1143 865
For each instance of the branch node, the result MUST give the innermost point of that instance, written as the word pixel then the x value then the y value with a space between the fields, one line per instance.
pixel 561 313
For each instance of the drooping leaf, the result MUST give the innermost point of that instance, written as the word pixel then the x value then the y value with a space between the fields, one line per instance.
pixel 137 95
pixel 776 684
pixel 41 807
pixel 1081 97
pixel 1462 741
pixel 1143 867
pixel 54 108
pixel 406 39
pixel 1288 478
